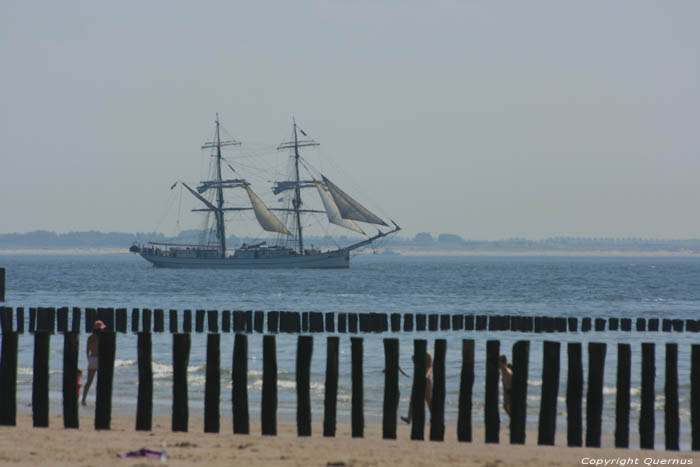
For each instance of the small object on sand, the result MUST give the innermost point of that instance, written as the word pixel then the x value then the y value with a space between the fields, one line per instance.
pixel 143 452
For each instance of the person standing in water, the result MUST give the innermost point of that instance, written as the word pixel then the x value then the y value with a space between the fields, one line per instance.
pixel 428 388
pixel 507 378
pixel 93 347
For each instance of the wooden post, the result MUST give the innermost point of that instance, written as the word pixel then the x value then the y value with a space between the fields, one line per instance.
pixel 469 323
pixel 239 395
pixel 330 322
pixel 352 322
pixel 365 323
pixel 641 324
pixel 573 324
pixel 594 397
pixel 120 320
pixel 457 322
pixel 303 376
pixel 585 324
pixel 653 324
pixel 464 417
pixel 395 322
pixel 172 321
pixel 408 322
pixel 613 324
pixel 295 322
pixel 70 380
pixel 437 412
pixel 146 320
pixel 671 392
pixel 646 411
pixel 40 381
pixel 20 320
pixel 107 349
pixel 444 322
pixel 187 321
pixel 391 388
pixel 199 321
pixel 226 321
pixel 420 322
pixel 358 416
pixel 315 321
pixel 574 395
pixel 144 405
pixel 134 320
pixel 695 396
pixel 248 314
pixel 181 360
pixel 481 322
pixel 518 399
pixel 212 384
pixel 158 320
pixel 550 390
pixel 61 319
pixel 268 403
pixel 32 319
pixel 2 284
pixel 492 420
pixel 626 324
pixel 600 324
pixel 259 322
pixel 342 322
pixel 433 322
pixel 213 320
pixel 330 401
pixel 8 379
pixel 622 399
pixel 273 321
pixel 418 392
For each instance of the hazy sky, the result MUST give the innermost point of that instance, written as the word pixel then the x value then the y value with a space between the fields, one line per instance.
pixel 486 119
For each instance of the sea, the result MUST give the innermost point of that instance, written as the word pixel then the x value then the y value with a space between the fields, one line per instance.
pixel 623 287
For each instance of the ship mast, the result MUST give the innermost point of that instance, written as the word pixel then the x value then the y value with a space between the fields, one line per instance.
pixel 296 202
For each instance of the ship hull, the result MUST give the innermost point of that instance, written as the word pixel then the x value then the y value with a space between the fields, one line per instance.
pixel 339 259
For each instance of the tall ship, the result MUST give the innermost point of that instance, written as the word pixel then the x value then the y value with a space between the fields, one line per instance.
pixel 289 249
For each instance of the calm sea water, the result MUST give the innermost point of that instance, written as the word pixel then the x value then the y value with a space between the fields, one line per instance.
pixel 552 286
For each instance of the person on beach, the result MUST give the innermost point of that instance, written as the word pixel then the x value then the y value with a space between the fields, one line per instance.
pixel 93 345
pixel 507 378
pixel 80 380
pixel 428 388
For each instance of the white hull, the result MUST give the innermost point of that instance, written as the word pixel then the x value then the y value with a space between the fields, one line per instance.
pixel 339 259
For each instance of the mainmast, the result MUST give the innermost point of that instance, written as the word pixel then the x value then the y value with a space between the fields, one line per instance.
pixel 296 201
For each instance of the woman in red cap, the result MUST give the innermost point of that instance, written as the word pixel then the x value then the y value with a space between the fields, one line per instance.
pixel 93 345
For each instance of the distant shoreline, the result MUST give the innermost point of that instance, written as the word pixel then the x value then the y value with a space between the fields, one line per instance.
pixel 402 252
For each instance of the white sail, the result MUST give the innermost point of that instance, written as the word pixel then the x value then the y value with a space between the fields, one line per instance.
pixel 265 218
pixel 349 208
pixel 332 211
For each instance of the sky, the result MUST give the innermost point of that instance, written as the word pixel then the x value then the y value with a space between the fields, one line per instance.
pixel 486 119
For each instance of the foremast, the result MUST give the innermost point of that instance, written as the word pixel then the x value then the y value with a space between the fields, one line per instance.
pixel 217 182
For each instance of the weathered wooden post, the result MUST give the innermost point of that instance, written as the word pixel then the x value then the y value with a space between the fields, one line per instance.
pixel 574 395
pixel 622 399
pixel 268 403
pixel 594 397
pixel 40 381
pixel 695 397
pixel 418 392
pixel 144 405
pixel 457 322
pixel 352 322
pixel 61 319
pixel 420 321
pixel 342 322
pixel 181 360
pixel 395 322
pixel 437 412
pixel 107 349
pixel 303 376
pixel 158 320
pixel 134 320
pixel 187 321
pixel 146 320
pixel 391 388
pixel 550 390
pixel 273 321
pixel 433 322
pixel 172 321
pixel 469 323
pixel 315 321
pixel 199 321
pixel 20 320
pixel 241 418
pixel 213 320
pixel 32 319
pixel 672 419
pixel 226 321
pixel 492 419
pixel 248 315
pixel 358 415
pixel 408 322
pixel 212 384
pixel 464 418
pixel 330 401
pixel 8 379
pixel 120 320
pixel 518 399
pixel 259 322
pixel 70 380
pixel 646 411
pixel 330 321
pixel 2 284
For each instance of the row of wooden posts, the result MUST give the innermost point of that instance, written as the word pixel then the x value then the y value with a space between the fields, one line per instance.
pixel 240 406
pixel 145 320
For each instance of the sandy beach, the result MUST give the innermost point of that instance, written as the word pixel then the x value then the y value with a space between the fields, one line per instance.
pixel 56 446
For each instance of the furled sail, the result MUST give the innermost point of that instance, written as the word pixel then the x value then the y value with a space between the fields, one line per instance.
pixel 265 218
pixel 349 208
pixel 332 211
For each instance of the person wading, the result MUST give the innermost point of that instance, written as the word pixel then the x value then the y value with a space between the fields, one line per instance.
pixel 93 346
